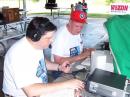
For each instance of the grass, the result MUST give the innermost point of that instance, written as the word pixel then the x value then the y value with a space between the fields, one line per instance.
pixel 96 15
pixel 90 15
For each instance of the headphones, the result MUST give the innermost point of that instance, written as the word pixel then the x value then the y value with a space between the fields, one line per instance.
pixel 38 32
pixel 37 35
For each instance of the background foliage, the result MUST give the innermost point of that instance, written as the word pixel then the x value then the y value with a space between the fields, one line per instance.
pixel 108 2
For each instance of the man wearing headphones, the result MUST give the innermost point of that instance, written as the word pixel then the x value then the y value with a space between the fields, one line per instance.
pixel 25 67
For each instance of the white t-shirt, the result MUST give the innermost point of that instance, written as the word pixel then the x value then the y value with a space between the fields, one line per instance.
pixel 65 44
pixel 23 66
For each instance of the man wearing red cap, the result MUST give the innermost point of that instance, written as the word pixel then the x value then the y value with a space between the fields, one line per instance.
pixel 68 44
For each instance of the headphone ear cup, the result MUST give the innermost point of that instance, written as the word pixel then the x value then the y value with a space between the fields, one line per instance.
pixel 38 33
pixel 36 36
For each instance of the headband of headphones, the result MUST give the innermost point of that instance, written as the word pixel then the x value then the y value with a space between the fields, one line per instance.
pixel 38 27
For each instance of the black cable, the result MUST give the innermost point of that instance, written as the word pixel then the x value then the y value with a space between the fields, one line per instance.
pixel 4 49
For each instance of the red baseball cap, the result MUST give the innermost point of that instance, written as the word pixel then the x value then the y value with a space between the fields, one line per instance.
pixel 78 16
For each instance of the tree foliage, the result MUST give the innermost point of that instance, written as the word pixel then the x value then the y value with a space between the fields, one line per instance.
pixel 113 1
pixel 35 0
pixel 127 1
pixel 110 1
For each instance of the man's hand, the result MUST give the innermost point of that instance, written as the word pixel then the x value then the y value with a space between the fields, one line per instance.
pixel 77 85
pixel 65 67
pixel 85 54
pixel 88 51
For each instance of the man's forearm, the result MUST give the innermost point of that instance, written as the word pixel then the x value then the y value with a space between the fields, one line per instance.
pixel 52 65
pixel 41 89
pixel 70 59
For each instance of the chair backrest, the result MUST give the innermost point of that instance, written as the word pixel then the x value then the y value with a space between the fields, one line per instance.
pixel 51 1
pixel 11 14
pixel 1 16
pixel 2 19
pixel 50 4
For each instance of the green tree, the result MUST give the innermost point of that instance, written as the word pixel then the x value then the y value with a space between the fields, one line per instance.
pixel 126 1
pixel 110 1
pixel 35 0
